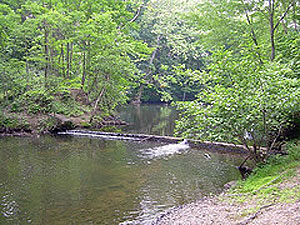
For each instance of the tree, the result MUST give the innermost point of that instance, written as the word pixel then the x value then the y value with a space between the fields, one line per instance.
pixel 165 29
pixel 249 93
pixel 63 46
pixel 226 23
pixel 251 105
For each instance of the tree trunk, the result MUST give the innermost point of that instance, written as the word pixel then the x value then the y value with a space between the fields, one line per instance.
pixel 46 50
pixel 26 65
pixel 184 95
pixel 272 29
pixel 294 17
pixel 71 57
pixel 96 104
pixel 62 60
pixel 153 55
pixel 83 68
pixel 27 75
pixel 284 27
pixel 68 60
pixel 272 38
pixel 139 95
pixel 88 58
pixel 52 68
pixel 253 35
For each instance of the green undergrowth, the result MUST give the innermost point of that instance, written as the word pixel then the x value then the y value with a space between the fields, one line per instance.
pixel 45 102
pixel 271 182
pixel 12 122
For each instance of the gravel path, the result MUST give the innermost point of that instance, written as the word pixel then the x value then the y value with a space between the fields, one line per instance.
pixel 215 211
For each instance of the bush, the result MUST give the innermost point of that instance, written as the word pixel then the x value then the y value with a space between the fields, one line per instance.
pixel 243 101
pixel 12 123
pixel 34 102
pixel 41 101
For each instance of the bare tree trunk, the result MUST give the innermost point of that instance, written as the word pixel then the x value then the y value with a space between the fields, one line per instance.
pixel 68 60
pixel 184 95
pixel 294 16
pixel 83 67
pixel 284 27
pixel 97 103
pixel 27 75
pixel 253 35
pixel 52 68
pixel 71 56
pixel 153 55
pixel 26 65
pixel 88 58
pixel 46 50
pixel 139 95
pixel 272 29
pixel 272 37
pixel 62 60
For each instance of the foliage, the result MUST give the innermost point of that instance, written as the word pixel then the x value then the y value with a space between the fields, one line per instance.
pixel 239 59
pixel 48 48
pixel 46 124
pixel 33 102
pixel 173 42
pixel 243 102
pixel 250 86
pixel 12 123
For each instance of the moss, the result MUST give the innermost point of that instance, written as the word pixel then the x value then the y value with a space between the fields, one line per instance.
pixel 110 129
pixel 85 124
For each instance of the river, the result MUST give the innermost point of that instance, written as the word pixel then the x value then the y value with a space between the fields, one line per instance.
pixel 79 180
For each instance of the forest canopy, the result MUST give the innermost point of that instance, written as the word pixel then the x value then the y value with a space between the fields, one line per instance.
pixel 49 48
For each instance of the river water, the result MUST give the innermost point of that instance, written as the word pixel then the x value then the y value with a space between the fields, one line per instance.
pixel 76 180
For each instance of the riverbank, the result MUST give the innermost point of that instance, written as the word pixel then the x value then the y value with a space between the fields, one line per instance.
pixel 22 124
pixel 269 196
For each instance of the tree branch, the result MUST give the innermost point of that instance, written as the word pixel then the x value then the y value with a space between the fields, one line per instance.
pixel 252 30
pixel 274 141
pixel 136 15
pixel 244 142
pixel 284 14
pixel 134 18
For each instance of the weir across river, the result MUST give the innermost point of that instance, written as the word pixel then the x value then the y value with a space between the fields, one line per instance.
pixel 207 145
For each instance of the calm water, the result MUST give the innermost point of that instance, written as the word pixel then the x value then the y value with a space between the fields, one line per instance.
pixel 72 180
pixel 149 119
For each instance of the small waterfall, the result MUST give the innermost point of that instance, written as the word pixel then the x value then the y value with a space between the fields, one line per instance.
pixel 105 135
pixel 165 150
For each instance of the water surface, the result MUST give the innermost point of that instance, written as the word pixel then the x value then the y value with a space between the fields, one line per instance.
pixel 76 180
pixel 149 119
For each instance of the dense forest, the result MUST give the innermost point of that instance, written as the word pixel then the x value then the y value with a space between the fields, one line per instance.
pixel 106 52
pixel 231 67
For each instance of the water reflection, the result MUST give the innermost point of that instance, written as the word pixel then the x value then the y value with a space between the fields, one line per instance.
pixel 71 180
pixel 149 119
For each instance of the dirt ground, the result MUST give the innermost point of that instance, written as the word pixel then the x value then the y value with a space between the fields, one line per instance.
pixel 225 210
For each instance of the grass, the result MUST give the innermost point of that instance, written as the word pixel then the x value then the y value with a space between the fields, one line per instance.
pixel 268 183
pixel 271 183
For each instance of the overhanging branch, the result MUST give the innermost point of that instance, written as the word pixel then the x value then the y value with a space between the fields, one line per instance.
pixel 284 14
